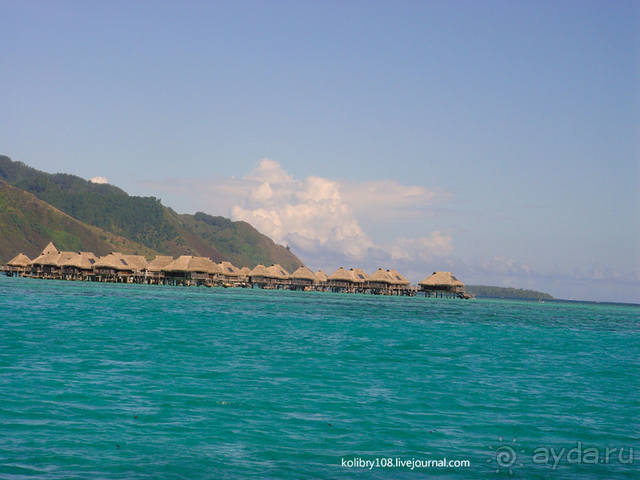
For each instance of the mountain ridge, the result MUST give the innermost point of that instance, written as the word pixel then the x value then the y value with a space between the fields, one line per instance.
pixel 27 224
pixel 143 221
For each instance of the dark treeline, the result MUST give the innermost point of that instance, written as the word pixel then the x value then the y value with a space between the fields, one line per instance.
pixel 506 292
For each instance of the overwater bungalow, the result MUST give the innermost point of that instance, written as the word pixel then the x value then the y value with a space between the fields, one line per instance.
pixel 45 265
pixel 139 262
pixel 259 277
pixel 279 275
pixel 120 268
pixel 17 266
pixel 399 284
pixel 188 270
pixel 320 282
pixel 360 276
pixel 442 284
pixel 302 279
pixel 153 273
pixel 230 275
pixel 244 274
pixel 76 265
pixel 346 281
pixel 379 282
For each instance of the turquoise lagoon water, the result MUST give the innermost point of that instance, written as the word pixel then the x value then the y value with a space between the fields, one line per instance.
pixel 109 381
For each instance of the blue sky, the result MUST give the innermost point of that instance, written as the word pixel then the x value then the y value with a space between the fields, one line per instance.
pixel 498 139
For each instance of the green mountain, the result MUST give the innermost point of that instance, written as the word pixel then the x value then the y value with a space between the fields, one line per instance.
pixel 145 221
pixel 27 224
pixel 506 292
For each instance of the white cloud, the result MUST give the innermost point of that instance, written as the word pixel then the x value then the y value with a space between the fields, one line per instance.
pixel 310 214
pixel 100 180
pixel 424 248
pixel 322 219
pixel 318 217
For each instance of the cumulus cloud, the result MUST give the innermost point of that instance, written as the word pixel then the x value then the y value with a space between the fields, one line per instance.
pixel 310 215
pixel 100 180
pixel 323 220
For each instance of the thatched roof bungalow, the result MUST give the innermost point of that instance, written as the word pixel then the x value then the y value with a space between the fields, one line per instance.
pixel 359 275
pixel 302 278
pixel 17 265
pixel 190 270
pixel 79 260
pixel 258 271
pixel 153 273
pixel 230 274
pixel 269 277
pixel 340 278
pixel 351 280
pixel 20 260
pixel 46 264
pixel 48 256
pixel 259 276
pixel 50 248
pixel 279 275
pixel 398 279
pixel 442 282
pixel 188 263
pixel 76 265
pixel 119 267
pixel 387 282
pixel 138 262
pixel 229 270
pixel 381 279
pixel 278 272
pixel 114 261
pixel 321 277
pixel 159 262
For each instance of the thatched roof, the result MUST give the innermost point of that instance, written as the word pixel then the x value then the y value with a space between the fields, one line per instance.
pixel 259 271
pixel 441 279
pixel 81 260
pixel 321 277
pixel 50 248
pixel 359 275
pixel 277 271
pixel 245 271
pixel 188 263
pixel 138 261
pixel 341 275
pixel 398 278
pixel 116 261
pixel 159 262
pixel 50 258
pixel 229 269
pixel 20 260
pixel 381 276
pixel 303 273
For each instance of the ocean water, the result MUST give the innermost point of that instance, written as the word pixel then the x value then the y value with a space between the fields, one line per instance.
pixel 131 382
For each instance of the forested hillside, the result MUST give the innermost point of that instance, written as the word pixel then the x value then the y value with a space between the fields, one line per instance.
pixel 27 224
pixel 144 220
pixel 506 292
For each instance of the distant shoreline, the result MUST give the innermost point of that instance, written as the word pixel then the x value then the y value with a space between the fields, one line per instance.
pixel 493 291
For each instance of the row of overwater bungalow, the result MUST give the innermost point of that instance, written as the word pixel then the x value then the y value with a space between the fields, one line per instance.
pixel 201 271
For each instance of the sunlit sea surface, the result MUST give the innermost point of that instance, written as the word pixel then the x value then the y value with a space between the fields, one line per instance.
pixel 117 381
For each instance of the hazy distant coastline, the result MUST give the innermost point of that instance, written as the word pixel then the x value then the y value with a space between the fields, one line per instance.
pixel 506 292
